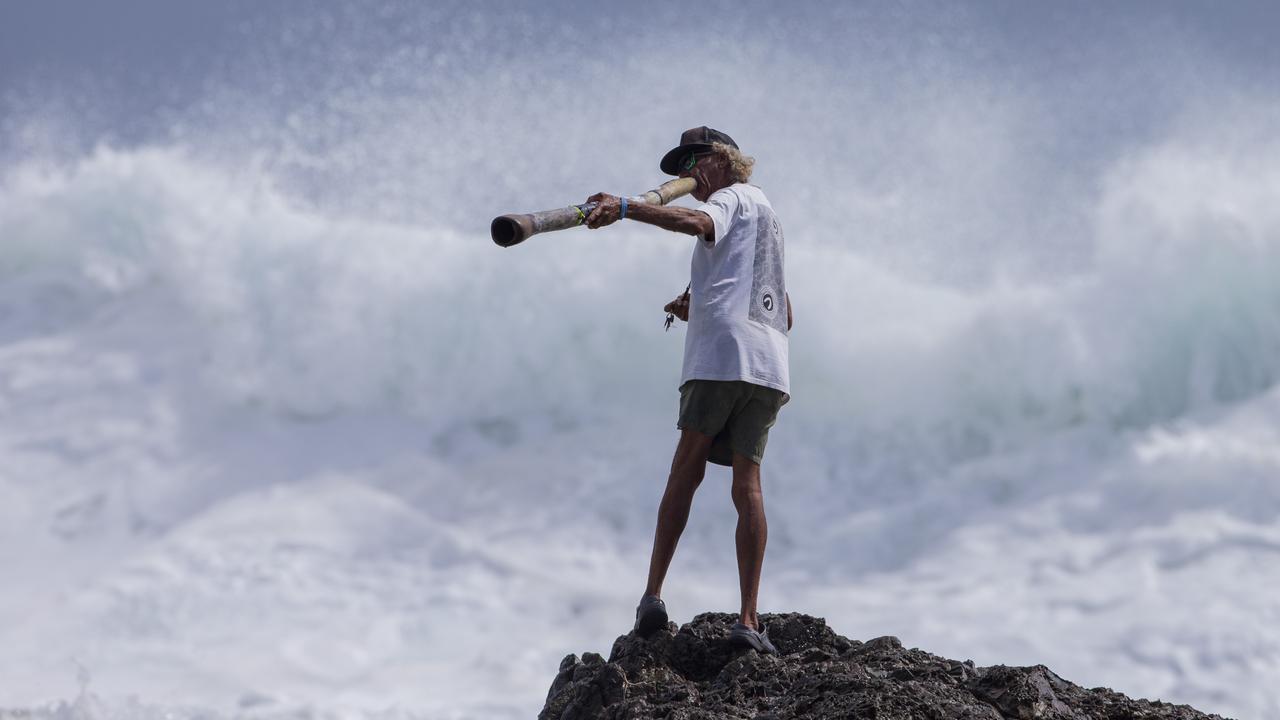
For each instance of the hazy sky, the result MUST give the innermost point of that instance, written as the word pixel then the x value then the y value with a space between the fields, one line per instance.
pixel 153 54
pixel 996 120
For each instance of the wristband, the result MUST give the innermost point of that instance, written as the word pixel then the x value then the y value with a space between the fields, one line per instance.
pixel 623 215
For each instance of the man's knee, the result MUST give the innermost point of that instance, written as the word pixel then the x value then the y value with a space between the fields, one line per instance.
pixel 745 494
pixel 687 477
pixel 746 482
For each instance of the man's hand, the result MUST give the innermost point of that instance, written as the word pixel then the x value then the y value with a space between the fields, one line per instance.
pixel 608 208
pixel 679 307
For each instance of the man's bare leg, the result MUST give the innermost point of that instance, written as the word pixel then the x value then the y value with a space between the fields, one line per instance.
pixel 687 470
pixel 752 534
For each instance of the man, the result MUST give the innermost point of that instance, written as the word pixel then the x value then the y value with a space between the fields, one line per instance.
pixel 735 376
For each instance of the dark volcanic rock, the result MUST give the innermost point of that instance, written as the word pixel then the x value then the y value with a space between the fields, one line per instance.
pixel 694 674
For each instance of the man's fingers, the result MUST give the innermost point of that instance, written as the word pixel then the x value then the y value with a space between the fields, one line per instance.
pixel 679 307
pixel 590 220
pixel 599 217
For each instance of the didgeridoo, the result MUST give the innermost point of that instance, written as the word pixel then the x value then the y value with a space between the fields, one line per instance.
pixel 508 230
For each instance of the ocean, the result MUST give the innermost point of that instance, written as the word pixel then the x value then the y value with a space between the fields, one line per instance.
pixel 284 433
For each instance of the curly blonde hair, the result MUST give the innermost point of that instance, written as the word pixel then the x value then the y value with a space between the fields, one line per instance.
pixel 740 165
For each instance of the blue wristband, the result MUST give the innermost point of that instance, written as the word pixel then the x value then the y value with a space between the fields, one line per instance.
pixel 623 215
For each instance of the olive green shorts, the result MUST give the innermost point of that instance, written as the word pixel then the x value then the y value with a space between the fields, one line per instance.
pixel 738 414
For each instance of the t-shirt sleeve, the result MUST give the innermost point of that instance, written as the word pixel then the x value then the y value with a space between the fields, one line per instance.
pixel 722 207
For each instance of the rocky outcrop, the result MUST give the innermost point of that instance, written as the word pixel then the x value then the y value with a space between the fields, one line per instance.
pixel 694 674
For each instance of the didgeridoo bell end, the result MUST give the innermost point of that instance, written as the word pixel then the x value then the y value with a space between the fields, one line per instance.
pixel 508 230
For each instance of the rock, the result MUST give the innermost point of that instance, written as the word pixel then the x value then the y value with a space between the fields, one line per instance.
pixel 1025 693
pixel 694 674
pixel 567 668
pixel 593 689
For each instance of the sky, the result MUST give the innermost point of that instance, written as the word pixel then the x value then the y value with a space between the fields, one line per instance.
pixel 308 87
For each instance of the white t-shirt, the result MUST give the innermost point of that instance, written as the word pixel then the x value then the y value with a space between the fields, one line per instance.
pixel 738 298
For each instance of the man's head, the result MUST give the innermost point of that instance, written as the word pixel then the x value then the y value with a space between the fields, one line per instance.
pixel 711 158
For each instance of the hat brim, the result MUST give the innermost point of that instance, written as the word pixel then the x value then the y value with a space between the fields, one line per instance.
pixel 671 161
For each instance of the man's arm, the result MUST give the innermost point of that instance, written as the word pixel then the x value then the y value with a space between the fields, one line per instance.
pixel 788 311
pixel 673 218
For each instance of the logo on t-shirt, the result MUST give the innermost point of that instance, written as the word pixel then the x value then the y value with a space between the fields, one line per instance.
pixel 767 302
pixel 768 291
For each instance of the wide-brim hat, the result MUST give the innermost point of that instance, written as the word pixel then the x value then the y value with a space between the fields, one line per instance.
pixel 698 139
